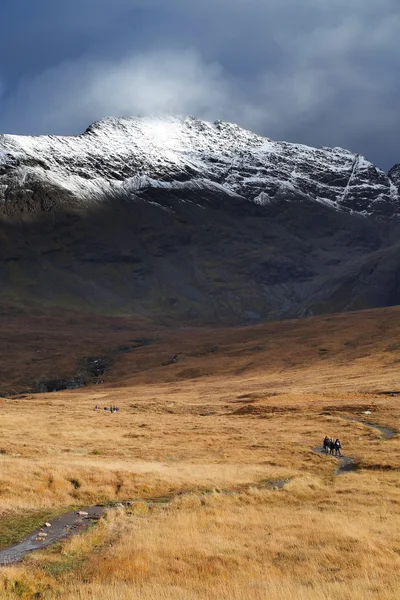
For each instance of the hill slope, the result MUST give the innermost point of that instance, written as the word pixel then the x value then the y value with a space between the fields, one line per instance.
pixel 358 350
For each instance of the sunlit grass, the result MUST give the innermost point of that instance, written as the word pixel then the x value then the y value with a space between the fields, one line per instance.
pixel 201 425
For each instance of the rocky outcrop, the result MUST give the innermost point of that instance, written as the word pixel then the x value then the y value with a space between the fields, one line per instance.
pixel 394 175
pixel 56 385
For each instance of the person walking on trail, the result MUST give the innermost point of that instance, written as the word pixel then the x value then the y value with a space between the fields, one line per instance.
pixel 338 448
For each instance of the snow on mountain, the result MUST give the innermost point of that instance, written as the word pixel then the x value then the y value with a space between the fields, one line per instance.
pixel 128 154
pixel 394 175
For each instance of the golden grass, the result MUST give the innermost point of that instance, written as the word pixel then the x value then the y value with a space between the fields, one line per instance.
pixel 303 542
pixel 226 420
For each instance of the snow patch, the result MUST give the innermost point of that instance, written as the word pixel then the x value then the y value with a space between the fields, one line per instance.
pixel 263 199
pixel 3 157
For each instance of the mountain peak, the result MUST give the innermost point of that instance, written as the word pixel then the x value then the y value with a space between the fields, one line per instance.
pixel 113 154
pixel 182 219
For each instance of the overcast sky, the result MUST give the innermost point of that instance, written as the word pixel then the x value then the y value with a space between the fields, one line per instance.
pixel 320 72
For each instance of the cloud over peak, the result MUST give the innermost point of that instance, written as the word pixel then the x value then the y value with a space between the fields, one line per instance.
pixel 319 72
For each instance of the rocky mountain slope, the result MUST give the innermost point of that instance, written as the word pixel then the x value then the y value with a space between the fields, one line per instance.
pixel 181 219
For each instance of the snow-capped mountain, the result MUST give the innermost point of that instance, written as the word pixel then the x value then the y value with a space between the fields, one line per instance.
pixel 124 155
pixel 183 220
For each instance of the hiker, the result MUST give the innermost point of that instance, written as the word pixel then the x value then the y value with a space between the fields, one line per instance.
pixel 331 446
pixel 326 444
pixel 96 407
pixel 338 447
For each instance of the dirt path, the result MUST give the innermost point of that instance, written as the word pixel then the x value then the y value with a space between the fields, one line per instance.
pixel 76 522
pixel 387 433
pixel 347 463
pixel 72 523
pixel 60 527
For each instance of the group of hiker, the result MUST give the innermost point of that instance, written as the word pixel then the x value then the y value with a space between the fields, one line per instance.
pixel 111 409
pixel 332 446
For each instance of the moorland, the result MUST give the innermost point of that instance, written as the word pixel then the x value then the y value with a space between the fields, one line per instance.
pixel 220 425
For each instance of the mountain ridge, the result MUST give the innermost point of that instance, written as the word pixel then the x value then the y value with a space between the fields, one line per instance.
pixel 123 155
pixel 184 220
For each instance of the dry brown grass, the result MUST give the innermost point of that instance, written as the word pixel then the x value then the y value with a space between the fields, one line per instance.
pixel 303 542
pixel 227 418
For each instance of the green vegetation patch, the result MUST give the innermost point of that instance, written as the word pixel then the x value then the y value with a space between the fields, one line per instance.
pixel 62 564
pixel 15 526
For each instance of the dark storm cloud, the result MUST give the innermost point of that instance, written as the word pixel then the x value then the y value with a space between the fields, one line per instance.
pixel 319 72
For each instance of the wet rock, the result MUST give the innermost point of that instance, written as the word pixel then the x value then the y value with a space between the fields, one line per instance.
pixel 171 361
pixel 56 385
pixel 95 366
